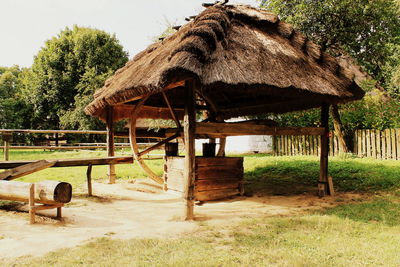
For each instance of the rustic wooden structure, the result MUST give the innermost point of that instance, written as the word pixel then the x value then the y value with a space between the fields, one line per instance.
pixel 228 61
pixel 215 177
pixel 50 194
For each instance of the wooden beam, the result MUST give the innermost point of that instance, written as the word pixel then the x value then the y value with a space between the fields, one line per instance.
pixel 52 131
pixel 171 110
pixel 110 143
pixel 74 162
pixel 323 173
pixel 144 152
pixel 235 129
pixel 190 153
pixel 89 179
pixel 167 87
pixel 26 169
pixel 123 111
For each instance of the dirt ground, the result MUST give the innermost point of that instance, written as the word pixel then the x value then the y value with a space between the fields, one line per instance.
pixel 134 210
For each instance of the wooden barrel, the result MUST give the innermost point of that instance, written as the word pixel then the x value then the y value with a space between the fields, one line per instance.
pixel 209 150
pixel 171 149
pixel 46 192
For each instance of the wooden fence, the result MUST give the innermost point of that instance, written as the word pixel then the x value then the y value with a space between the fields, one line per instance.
pixel 289 145
pixel 367 143
pixel 377 144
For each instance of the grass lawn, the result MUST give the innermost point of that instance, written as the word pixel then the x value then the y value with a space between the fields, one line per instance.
pixel 363 233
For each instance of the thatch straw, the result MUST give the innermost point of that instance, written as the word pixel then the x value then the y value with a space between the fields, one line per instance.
pixel 246 60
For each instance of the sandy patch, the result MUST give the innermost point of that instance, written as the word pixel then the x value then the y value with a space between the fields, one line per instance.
pixel 127 210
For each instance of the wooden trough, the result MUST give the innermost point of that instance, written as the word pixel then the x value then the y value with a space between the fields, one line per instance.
pixel 51 194
pixel 215 177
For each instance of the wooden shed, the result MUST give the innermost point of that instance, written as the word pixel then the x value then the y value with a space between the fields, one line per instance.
pixel 228 61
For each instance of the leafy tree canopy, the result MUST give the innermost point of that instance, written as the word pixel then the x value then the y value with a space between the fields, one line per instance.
pixel 368 30
pixel 14 112
pixel 65 73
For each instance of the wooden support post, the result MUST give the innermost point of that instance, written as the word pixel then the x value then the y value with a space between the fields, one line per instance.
pixel 32 210
pixel 89 179
pixel 189 128
pixel 110 143
pixel 59 214
pixel 323 173
pixel 7 139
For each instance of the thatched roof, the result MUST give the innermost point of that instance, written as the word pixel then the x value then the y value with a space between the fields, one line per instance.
pixel 246 60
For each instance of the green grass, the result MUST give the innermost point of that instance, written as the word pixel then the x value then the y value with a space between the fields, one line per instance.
pixel 365 232
pixel 294 175
pixel 312 240
pixel 379 210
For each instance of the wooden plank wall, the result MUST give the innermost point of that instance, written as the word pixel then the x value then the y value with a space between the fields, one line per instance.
pixel 371 143
pixel 377 144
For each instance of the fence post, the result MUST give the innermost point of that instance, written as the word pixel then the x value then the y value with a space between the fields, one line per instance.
pixel 7 138
pixel 398 143
pixel 323 174
pixel 110 142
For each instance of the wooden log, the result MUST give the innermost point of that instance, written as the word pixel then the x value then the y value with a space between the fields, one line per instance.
pixel 323 176
pixel 26 169
pixel 110 143
pixel 190 160
pixel 46 192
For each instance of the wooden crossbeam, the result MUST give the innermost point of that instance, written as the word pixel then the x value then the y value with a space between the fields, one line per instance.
pixel 144 152
pixel 26 169
pixel 74 162
pixel 216 129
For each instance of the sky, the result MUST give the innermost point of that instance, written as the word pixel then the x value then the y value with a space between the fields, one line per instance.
pixel 25 25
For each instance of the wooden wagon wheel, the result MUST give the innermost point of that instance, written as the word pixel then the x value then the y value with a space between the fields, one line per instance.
pixel 132 135
pixel 135 148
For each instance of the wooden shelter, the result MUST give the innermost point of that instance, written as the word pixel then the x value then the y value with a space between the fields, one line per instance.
pixel 230 61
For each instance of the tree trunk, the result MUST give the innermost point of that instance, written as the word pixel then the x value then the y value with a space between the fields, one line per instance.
pixel 337 123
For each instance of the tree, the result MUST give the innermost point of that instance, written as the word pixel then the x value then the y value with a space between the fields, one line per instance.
pixel 365 29
pixel 65 73
pixel 14 111
pixel 368 30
